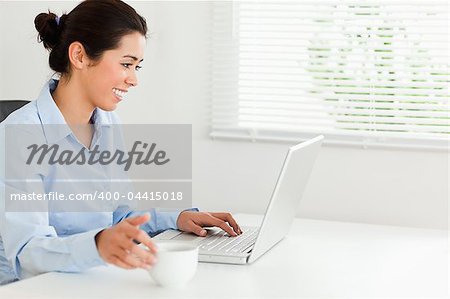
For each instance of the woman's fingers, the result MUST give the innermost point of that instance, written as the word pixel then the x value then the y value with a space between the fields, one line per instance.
pixel 133 231
pixel 191 226
pixel 135 261
pixel 222 224
pixel 134 256
pixel 115 260
pixel 143 255
pixel 116 245
pixel 196 221
pixel 138 220
pixel 228 218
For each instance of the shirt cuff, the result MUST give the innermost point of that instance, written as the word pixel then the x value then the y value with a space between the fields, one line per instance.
pixel 168 220
pixel 84 250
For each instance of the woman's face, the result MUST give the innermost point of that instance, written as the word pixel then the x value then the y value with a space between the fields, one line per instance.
pixel 108 80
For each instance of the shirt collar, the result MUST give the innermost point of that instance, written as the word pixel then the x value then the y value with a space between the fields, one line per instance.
pixel 50 115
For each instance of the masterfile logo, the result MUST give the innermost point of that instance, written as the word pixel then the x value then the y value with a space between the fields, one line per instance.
pixel 68 157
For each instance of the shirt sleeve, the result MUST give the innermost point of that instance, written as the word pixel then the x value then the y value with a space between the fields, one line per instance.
pixel 31 245
pixel 160 220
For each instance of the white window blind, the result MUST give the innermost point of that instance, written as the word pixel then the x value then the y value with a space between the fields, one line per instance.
pixel 359 72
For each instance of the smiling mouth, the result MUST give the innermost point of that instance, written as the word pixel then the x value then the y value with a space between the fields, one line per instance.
pixel 119 93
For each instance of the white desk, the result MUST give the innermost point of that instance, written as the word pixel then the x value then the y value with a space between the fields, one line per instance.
pixel 317 259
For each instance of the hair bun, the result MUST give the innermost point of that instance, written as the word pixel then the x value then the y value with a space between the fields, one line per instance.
pixel 47 27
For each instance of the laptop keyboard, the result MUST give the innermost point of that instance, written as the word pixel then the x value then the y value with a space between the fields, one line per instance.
pixel 220 241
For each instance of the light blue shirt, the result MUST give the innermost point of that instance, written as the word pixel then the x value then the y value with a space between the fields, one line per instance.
pixel 36 242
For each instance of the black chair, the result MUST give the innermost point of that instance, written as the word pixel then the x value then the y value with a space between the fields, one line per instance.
pixel 7 107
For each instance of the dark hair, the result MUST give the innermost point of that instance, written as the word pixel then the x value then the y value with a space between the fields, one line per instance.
pixel 97 24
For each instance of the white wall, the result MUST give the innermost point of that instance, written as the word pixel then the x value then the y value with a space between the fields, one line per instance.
pixel 400 187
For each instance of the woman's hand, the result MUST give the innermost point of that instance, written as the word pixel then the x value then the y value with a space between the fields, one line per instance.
pixel 116 244
pixel 193 222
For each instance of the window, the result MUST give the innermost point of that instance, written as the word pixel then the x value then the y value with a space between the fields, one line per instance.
pixel 359 72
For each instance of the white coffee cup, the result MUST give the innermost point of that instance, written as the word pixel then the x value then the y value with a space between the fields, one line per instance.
pixel 176 263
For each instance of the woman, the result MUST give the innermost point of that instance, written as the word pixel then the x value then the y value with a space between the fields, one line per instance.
pixel 96 49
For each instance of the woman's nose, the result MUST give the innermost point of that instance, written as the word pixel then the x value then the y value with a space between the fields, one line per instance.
pixel 132 79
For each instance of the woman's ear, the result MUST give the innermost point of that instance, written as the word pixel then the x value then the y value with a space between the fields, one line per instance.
pixel 77 55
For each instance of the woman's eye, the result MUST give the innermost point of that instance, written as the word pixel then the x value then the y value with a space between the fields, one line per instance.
pixel 127 65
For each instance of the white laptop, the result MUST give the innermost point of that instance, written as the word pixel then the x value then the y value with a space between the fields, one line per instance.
pixel 218 247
